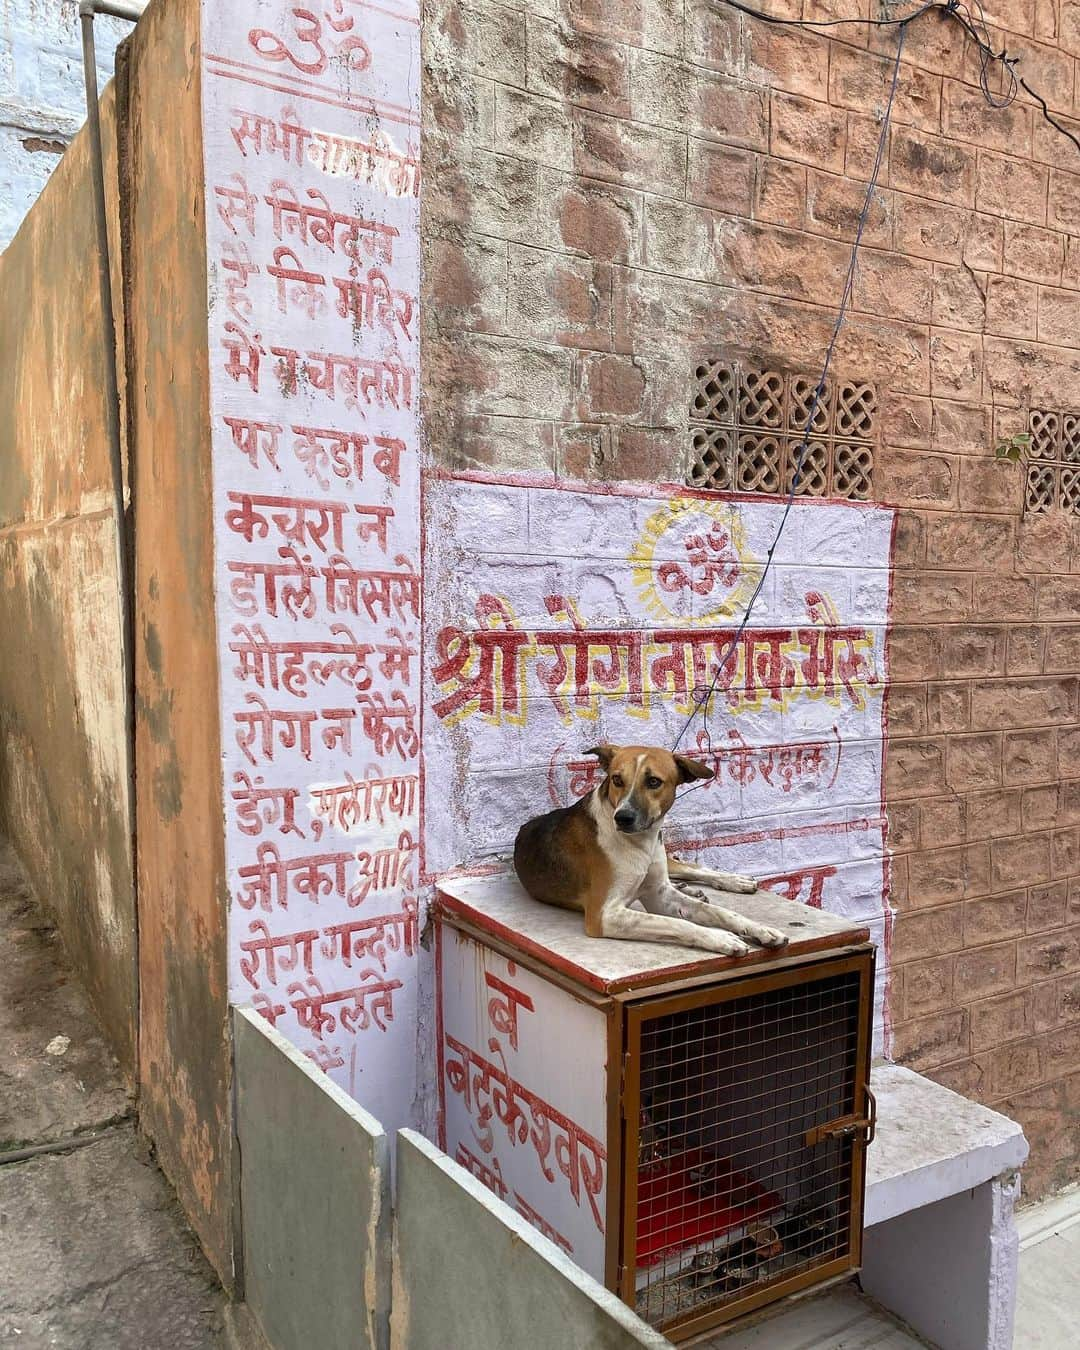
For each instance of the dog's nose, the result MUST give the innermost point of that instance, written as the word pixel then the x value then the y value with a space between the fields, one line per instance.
pixel 625 818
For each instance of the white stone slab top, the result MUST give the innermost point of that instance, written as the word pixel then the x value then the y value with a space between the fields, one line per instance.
pixel 497 904
pixel 931 1143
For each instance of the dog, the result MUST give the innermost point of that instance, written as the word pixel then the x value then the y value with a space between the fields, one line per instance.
pixel 606 851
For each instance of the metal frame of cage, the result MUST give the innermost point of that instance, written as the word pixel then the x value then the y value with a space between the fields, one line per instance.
pixel 845 1130
pixel 627 1011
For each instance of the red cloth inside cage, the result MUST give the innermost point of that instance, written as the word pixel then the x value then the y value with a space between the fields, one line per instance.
pixel 673 1213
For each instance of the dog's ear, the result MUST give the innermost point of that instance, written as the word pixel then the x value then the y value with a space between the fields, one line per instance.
pixel 691 768
pixel 604 753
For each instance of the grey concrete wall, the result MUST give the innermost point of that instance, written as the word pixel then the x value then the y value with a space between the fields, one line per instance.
pixel 470 1272
pixel 949 1269
pixel 315 1200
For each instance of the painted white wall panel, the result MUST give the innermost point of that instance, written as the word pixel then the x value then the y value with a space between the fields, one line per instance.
pixel 311 123
pixel 511 1114
pixel 570 616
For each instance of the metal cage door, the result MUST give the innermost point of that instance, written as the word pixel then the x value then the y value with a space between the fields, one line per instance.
pixel 746 1116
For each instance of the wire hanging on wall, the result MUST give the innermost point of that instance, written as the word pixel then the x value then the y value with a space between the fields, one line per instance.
pixel 976 27
pixel 703 697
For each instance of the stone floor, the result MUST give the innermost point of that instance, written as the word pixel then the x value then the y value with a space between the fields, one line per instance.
pixel 1048 1306
pixel 841 1319
pixel 94 1252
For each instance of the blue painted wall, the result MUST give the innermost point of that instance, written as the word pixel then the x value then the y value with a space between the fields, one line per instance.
pixel 42 103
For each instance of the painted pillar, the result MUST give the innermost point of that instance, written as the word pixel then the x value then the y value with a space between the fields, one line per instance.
pixel 311 125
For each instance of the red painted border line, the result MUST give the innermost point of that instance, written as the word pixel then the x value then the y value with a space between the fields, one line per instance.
pixel 311 97
pixel 391 13
pixel 313 84
pixel 447 906
pixel 658 490
pixel 886 852
pixel 864 824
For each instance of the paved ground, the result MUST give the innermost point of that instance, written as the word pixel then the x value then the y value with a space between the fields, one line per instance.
pixel 1048 1308
pixel 841 1319
pixel 94 1253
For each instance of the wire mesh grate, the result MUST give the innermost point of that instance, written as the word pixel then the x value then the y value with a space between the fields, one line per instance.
pixel 744 1171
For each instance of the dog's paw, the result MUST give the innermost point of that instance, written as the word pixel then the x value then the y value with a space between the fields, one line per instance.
pixel 770 937
pixel 735 884
pixel 724 944
pixel 731 883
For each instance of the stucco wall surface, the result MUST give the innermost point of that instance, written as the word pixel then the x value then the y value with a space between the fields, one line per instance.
pixel 183 1024
pixel 42 103
pixel 63 775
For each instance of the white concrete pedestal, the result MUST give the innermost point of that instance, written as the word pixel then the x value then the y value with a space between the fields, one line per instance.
pixel 940 1248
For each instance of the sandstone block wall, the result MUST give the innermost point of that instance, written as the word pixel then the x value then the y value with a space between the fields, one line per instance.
pixel 619 189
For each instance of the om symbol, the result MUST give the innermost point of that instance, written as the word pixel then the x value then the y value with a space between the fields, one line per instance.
pixel 712 558
pixel 309 52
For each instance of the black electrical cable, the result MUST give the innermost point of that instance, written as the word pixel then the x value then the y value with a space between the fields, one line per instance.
pixel 899 21
pixel 976 28
pixel 702 698
pixel 1046 111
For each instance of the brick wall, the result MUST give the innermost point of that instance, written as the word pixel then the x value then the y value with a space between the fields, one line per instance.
pixel 616 187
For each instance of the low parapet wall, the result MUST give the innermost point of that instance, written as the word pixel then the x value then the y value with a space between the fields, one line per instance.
pixel 316 1231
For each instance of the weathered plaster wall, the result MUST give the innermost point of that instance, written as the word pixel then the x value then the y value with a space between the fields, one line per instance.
pixel 42 103
pixel 183 897
pixel 616 191
pixel 63 775
pixel 560 617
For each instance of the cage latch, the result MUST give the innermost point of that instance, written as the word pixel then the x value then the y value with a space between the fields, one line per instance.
pixel 846 1127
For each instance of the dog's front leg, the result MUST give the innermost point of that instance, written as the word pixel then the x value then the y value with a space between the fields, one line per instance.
pixel 661 897
pixel 706 876
pixel 617 920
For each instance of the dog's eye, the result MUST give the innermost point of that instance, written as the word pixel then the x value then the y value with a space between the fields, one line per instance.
pixel 653 782
pixel 617 781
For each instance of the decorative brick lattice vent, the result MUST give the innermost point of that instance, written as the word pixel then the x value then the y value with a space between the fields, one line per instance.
pixel 1053 474
pixel 747 424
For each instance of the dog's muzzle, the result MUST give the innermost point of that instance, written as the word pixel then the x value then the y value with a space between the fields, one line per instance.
pixel 628 822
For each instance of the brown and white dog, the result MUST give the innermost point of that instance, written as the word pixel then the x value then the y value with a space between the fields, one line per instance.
pixel 606 851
